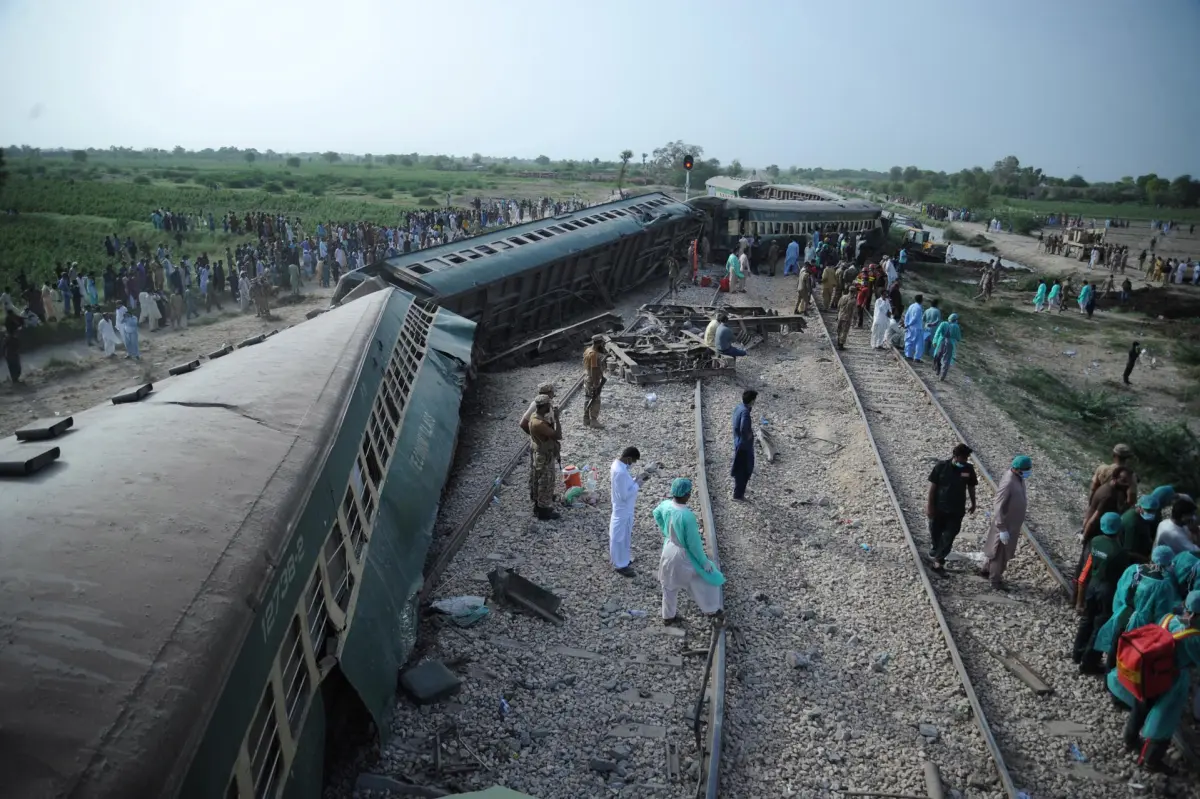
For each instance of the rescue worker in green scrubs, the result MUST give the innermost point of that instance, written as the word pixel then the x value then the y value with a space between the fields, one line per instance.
pixel 1109 562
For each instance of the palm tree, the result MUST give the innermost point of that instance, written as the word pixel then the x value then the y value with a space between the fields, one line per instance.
pixel 626 155
pixel 643 160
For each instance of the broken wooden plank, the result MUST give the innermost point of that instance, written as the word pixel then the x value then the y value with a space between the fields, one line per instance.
pixel 1022 672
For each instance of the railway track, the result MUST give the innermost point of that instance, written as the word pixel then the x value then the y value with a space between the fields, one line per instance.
pixel 459 535
pixel 685 711
pixel 1010 650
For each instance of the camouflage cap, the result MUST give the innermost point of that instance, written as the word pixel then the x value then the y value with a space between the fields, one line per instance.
pixel 541 399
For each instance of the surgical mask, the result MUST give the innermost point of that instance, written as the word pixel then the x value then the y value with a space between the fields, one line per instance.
pixel 1026 474
pixel 958 465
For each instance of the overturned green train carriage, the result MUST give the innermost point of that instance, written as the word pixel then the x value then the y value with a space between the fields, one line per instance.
pixel 514 282
pixel 183 582
pixel 728 219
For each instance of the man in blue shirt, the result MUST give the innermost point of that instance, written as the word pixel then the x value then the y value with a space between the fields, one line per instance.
pixel 724 338
pixel 743 445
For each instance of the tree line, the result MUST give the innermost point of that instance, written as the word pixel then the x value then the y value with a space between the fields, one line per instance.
pixel 1008 178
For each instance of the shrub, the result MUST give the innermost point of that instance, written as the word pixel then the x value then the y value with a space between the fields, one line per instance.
pixel 142 180
pixel 422 192
pixel 384 194
pixel 428 202
pixel 273 188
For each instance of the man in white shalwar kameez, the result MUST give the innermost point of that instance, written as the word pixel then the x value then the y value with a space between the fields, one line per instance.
pixel 879 323
pixel 244 293
pixel 108 336
pixel 684 563
pixel 625 489
pixel 149 311
pixel 118 327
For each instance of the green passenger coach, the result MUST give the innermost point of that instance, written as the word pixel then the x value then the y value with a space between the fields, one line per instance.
pixel 185 582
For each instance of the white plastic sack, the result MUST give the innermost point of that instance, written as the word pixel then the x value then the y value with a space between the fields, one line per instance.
pixel 458 605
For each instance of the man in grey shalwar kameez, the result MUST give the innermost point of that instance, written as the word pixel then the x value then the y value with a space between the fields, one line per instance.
pixel 1008 514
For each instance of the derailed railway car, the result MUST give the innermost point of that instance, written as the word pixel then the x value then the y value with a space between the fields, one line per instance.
pixel 728 220
pixel 516 281
pixel 182 585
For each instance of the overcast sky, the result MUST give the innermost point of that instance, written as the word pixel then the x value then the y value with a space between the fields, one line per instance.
pixel 1104 88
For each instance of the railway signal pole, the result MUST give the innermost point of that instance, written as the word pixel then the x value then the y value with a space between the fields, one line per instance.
pixel 687 177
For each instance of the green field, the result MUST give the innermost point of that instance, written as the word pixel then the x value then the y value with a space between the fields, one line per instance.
pixel 66 208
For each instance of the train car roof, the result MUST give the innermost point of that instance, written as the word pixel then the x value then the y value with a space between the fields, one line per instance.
pixel 794 206
pixel 132 565
pixel 829 195
pixel 458 266
pixel 736 184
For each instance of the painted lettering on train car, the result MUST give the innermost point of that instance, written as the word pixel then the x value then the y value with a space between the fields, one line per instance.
pixel 424 437
pixel 287 573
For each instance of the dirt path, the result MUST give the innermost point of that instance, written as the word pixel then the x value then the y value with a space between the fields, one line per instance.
pixel 67 378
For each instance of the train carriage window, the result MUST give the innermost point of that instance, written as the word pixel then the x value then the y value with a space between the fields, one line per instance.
pixel 319 628
pixel 734 229
pixel 296 679
pixel 557 229
pixel 265 750
pixel 470 254
pixel 356 535
pixel 337 566
pixel 455 259
pixel 517 240
pixel 778 227
pixel 570 225
pixel 420 269
pixel 545 234
pixel 486 250
pixel 619 212
pixel 607 215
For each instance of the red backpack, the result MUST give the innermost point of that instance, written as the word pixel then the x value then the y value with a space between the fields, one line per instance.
pixel 1146 659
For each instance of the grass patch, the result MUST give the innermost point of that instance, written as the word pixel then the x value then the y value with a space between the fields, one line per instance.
pixel 1097 419
pixel 61 366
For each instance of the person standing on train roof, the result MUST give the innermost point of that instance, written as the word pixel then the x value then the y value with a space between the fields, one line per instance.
pixel 914 334
pixel 743 444
pixel 594 380
pixel 624 488
pixel 683 564
pixel 1144 593
pixel 1151 724
pixel 950 483
pixel 791 258
pixel 1008 514
pixel 1108 564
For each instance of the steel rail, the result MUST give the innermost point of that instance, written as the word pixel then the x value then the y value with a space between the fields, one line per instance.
pixel 716 709
pixel 1066 583
pixel 1181 743
pixel 985 729
pixel 459 536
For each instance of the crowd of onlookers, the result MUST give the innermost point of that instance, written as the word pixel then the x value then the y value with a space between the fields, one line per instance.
pixel 284 254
